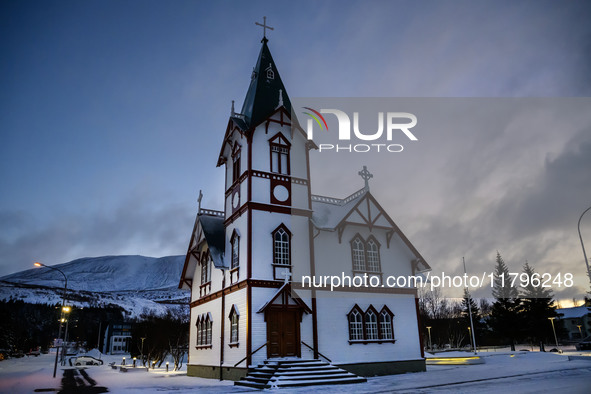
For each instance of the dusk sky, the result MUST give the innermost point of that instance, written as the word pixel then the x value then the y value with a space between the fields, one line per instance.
pixel 112 114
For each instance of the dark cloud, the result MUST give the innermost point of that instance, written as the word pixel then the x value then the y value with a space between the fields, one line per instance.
pixel 139 225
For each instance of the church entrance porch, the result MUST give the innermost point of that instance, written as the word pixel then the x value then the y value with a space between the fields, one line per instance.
pixel 283 331
pixel 283 315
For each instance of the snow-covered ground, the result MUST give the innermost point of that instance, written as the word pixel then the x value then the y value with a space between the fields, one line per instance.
pixel 519 372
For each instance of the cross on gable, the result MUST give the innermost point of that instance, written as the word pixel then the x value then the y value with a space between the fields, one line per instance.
pixel 366 175
pixel 287 275
pixel 264 26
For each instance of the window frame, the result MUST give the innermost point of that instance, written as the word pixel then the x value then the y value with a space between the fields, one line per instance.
pixel 236 155
pixel 280 147
pixel 204 326
pixel 371 311
pixel 359 256
pixel 372 239
pixel 234 326
pixel 355 331
pixel 206 268
pixel 386 312
pixel 235 244
pixel 287 233
pixel 378 337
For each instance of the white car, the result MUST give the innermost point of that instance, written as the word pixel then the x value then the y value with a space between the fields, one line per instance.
pixel 87 360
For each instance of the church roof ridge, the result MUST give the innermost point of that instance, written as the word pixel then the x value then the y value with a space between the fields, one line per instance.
pixel 339 201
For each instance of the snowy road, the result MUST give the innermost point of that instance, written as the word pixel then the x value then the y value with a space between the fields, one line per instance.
pixel 521 372
pixel 573 381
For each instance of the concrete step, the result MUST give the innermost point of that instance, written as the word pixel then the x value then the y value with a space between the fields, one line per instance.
pixel 296 372
pixel 318 382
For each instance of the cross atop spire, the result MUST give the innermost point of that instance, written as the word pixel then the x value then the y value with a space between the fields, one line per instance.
pixel 265 27
pixel 366 175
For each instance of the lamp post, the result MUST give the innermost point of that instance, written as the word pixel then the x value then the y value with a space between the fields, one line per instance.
pixel 65 312
pixel 38 264
pixel 142 350
pixel 583 245
pixel 554 330
pixel 429 330
pixel 580 332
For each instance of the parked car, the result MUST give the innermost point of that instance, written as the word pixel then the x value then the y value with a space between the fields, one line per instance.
pixel 87 360
pixel 585 344
pixel 34 352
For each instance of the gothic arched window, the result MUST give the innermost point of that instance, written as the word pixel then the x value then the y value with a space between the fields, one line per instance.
pixel 279 148
pixel 386 323
pixel 355 318
pixel 371 324
pixel 358 252
pixel 234 316
pixel 373 255
pixel 281 246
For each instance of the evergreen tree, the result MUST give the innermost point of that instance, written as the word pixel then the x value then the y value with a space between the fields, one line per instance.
pixel 504 319
pixel 476 318
pixel 537 307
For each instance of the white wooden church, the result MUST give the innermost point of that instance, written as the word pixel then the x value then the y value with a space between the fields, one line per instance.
pixel 244 264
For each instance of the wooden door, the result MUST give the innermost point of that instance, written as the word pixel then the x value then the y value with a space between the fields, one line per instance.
pixel 283 333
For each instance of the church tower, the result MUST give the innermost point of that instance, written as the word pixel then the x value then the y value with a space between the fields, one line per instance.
pixel 268 201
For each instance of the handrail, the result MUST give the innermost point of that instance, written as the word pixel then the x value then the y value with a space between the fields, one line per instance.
pixel 320 354
pixel 248 355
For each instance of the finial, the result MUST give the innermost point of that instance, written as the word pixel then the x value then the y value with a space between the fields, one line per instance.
pixel 233 113
pixel 280 98
pixel 199 201
pixel 366 175
pixel 287 275
pixel 265 27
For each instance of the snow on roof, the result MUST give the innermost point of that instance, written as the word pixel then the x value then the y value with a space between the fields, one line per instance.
pixel 328 212
pixel 214 232
pixel 572 313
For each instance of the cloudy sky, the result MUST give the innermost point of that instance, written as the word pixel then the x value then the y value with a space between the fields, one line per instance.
pixel 112 114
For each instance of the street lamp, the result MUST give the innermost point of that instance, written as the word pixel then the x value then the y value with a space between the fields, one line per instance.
pixel 554 330
pixel 430 346
pixel 142 350
pixel 583 245
pixel 65 311
pixel 38 264
pixel 580 332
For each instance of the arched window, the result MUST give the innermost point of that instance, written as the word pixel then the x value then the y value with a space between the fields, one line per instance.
pixel 281 246
pixel 279 147
pixel 371 325
pixel 386 326
pixel 355 324
pixel 204 329
pixel 205 268
pixel 358 251
pixel 365 255
pixel 208 327
pixel 373 256
pixel 235 241
pixel 199 332
pixel 235 163
pixel 234 316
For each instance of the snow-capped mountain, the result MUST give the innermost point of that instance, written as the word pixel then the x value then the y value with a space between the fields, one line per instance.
pixel 136 283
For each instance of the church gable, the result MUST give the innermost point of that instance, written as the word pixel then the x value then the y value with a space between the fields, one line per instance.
pixel 361 209
pixel 208 236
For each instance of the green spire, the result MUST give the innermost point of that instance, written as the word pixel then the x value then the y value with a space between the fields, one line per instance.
pixel 266 91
